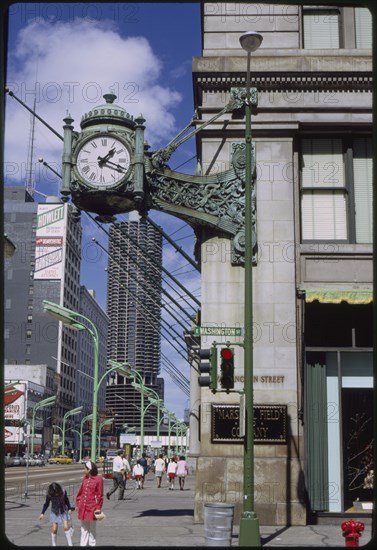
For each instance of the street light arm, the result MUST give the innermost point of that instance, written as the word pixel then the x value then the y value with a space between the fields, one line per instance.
pixel 126 369
pixel 44 403
pixel 112 369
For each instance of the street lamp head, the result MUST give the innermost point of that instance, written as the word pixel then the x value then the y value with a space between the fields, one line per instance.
pixel 250 41
pixel 66 316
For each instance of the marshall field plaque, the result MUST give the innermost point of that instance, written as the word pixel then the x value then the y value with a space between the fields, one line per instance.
pixel 270 424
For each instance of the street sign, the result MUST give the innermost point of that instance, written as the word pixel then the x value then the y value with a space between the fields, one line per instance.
pixel 156 444
pixel 218 331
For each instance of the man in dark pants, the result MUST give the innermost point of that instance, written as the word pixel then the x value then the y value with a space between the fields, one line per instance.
pixel 144 464
pixel 118 477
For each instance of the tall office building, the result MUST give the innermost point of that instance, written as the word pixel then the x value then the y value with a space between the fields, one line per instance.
pixel 45 265
pixel 134 310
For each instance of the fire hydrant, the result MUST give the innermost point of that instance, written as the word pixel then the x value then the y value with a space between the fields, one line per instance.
pixel 352 531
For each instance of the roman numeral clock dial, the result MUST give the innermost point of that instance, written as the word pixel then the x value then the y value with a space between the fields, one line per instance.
pixel 103 161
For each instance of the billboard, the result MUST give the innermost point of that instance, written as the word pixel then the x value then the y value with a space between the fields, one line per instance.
pixel 14 412
pixel 50 235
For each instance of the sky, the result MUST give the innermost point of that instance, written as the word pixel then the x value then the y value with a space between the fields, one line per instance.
pixel 62 58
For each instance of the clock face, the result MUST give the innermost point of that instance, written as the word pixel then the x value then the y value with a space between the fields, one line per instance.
pixel 103 160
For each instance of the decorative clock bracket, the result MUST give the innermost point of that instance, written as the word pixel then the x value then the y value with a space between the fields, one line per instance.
pixel 216 200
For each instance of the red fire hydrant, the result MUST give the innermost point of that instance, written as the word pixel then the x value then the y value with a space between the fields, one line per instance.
pixel 352 531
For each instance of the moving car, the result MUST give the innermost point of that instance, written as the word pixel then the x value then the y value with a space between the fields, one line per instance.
pixel 60 459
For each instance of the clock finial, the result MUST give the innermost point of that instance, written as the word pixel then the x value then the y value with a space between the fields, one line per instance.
pixel 110 97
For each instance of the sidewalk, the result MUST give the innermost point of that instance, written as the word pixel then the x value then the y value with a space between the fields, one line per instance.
pixel 156 518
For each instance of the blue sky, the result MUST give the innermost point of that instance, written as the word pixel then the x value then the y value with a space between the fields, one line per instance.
pixel 67 56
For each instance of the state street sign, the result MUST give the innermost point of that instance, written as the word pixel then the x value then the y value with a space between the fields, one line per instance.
pixel 218 331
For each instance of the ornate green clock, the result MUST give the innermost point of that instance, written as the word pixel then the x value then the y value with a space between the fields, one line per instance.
pixel 108 170
pixel 102 165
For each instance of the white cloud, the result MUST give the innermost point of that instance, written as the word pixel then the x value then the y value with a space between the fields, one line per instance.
pixel 71 65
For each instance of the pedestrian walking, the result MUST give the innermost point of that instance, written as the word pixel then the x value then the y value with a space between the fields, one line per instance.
pixel 138 473
pixel 145 465
pixel 89 499
pixel 127 470
pixel 159 469
pixel 172 469
pixel 182 471
pixel 118 477
pixel 60 511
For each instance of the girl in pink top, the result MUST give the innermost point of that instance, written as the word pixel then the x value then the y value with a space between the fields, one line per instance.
pixel 182 471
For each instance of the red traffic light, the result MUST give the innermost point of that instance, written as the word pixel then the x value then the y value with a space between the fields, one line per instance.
pixel 226 353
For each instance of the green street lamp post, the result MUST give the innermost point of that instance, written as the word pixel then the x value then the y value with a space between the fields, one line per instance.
pixel 72 319
pixel 83 420
pixel 170 416
pixel 77 410
pixel 78 433
pixel 58 427
pixel 249 534
pixel 135 374
pixel 154 399
pixel 105 422
pixel 44 403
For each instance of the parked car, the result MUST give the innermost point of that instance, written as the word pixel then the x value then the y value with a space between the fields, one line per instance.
pixel 40 461
pixel 60 459
pixel 17 461
pixel 30 460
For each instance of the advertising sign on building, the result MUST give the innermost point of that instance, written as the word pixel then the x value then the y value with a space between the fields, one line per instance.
pixel 51 229
pixel 14 402
pixel 14 411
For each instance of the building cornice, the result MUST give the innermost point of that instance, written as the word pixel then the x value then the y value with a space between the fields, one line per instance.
pixel 285 72
pixel 361 82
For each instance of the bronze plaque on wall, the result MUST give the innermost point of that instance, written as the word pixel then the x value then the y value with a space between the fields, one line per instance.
pixel 270 424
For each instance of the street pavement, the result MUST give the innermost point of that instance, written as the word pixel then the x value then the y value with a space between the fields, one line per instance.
pixel 152 517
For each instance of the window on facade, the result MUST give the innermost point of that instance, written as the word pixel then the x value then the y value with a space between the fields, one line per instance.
pixel 363 28
pixel 325 27
pixel 336 189
pixel 363 184
pixel 321 27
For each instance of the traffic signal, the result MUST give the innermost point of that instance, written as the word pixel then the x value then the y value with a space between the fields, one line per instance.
pixel 208 366
pixel 227 368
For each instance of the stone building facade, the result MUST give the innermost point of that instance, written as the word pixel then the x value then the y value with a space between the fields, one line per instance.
pixel 312 279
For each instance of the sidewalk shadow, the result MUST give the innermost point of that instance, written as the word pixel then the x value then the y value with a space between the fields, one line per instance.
pixel 166 513
pixel 268 538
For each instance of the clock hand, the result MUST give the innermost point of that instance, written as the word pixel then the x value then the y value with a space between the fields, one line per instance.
pixel 103 160
pixel 116 166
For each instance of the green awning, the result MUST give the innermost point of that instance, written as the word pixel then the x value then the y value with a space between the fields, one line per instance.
pixel 335 296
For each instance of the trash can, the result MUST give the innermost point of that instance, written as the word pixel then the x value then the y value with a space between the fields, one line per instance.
pixel 218 523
